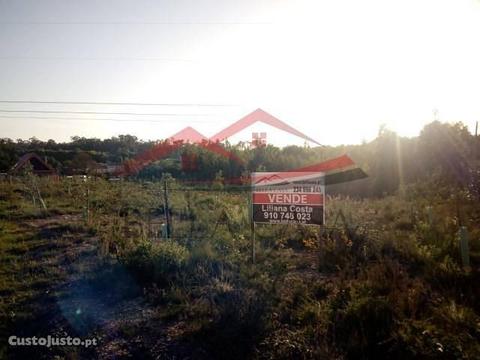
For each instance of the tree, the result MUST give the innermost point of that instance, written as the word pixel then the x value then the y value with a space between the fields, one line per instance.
pixel 7 154
pixel 446 149
pixel 386 162
pixel 83 163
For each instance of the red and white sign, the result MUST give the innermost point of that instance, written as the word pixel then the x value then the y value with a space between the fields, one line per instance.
pixel 288 198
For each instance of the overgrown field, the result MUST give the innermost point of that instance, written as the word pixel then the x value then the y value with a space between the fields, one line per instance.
pixel 384 279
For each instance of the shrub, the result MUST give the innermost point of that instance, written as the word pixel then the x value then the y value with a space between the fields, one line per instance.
pixel 363 327
pixel 238 324
pixel 161 262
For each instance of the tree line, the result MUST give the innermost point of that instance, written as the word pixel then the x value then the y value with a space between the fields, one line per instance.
pixel 443 152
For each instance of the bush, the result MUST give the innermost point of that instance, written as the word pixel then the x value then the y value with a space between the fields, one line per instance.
pixel 238 324
pixel 363 327
pixel 161 263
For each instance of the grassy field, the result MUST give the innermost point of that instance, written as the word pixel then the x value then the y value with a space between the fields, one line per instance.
pixel 384 278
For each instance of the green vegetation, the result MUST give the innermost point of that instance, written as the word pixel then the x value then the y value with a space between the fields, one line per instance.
pixel 447 151
pixel 384 278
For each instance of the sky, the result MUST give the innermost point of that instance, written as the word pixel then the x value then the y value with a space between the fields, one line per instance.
pixel 335 70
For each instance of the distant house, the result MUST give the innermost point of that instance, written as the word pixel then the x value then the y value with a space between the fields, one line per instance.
pixel 38 166
pixel 106 169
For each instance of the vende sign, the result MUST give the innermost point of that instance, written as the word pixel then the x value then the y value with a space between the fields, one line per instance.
pixel 288 198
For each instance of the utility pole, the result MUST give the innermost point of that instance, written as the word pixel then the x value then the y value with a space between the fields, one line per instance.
pixel 476 129
pixel 167 209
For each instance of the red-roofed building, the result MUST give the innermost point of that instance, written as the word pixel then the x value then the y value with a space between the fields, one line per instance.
pixel 38 166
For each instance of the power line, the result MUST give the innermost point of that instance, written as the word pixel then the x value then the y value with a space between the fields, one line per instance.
pixel 109 103
pixel 138 23
pixel 47 58
pixel 99 119
pixel 97 113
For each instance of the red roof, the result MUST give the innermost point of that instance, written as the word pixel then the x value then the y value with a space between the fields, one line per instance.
pixel 39 166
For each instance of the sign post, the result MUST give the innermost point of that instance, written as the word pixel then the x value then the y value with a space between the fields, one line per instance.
pixel 253 242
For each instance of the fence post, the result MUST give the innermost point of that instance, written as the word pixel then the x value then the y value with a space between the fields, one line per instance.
pixel 87 211
pixel 86 203
pixel 167 209
pixel 463 237
pixel 430 215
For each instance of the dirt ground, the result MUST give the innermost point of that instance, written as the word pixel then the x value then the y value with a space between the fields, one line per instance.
pixel 77 293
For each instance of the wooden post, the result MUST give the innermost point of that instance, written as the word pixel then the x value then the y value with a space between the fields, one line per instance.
pixel 253 241
pixel 320 233
pixel 39 195
pixel 429 215
pixel 464 251
pixel 167 209
pixel 252 224
pixel 190 214
pixel 87 210
pixel 85 191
